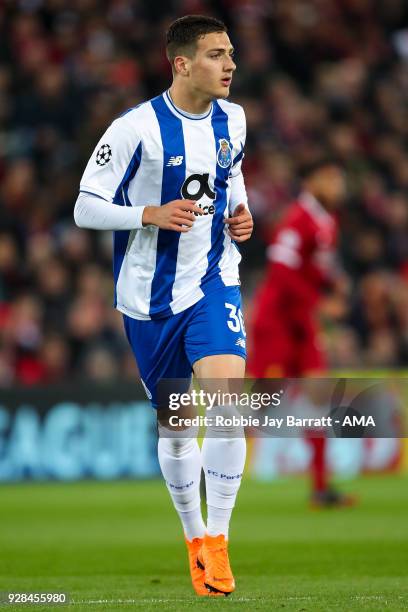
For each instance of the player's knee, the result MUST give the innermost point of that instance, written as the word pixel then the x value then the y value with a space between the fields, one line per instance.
pixel 179 443
pixel 225 422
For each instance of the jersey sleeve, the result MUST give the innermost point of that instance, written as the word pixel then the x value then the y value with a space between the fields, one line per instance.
pixel 115 159
pixel 292 254
pixel 92 212
pixel 286 247
pixel 286 257
pixel 238 193
pixel 241 138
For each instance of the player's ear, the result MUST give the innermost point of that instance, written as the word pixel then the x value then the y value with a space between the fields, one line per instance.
pixel 182 65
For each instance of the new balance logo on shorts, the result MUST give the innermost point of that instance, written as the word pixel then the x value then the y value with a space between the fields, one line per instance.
pixel 149 395
pixel 175 160
pixel 241 342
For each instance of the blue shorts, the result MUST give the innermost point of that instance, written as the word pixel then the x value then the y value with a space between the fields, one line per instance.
pixel 168 347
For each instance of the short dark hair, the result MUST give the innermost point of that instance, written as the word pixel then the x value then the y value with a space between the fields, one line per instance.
pixel 309 168
pixel 183 34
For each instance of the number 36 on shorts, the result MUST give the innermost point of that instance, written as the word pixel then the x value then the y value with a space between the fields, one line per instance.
pixel 236 319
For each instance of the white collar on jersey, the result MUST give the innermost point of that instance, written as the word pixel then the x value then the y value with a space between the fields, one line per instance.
pixel 313 206
pixel 178 111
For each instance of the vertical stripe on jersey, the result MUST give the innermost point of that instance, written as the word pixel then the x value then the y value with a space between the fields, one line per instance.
pixel 171 131
pixel 121 237
pixel 219 121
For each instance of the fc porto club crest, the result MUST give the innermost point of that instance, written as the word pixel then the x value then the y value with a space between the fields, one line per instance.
pixel 224 157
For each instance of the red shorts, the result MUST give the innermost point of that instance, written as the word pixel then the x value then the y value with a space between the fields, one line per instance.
pixel 285 348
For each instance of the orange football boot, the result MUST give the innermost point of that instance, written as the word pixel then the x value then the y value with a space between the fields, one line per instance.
pixel 197 573
pixel 213 558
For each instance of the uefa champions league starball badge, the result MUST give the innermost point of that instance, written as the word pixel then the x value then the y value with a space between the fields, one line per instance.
pixel 103 155
pixel 224 157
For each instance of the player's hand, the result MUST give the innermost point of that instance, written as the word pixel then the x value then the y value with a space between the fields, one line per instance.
pixel 177 215
pixel 240 224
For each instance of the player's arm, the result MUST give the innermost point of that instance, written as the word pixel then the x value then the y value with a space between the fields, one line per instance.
pixel 93 212
pixel 178 215
pixel 240 224
pixel 240 221
pixel 285 254
pixel 103 202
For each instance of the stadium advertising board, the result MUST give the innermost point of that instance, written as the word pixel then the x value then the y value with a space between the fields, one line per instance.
pixel 69 433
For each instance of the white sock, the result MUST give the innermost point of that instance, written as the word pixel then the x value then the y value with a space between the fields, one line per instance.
pixel 223 462
pixel 193 524
pixel 218 521
pixel 180 462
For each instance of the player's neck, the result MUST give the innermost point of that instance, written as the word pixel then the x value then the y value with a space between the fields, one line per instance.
pixel 188 102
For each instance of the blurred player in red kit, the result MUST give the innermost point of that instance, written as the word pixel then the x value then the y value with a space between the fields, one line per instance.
pixel 301 267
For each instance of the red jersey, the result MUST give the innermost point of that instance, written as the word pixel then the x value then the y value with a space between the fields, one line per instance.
pixel 301 257
pixel 301 262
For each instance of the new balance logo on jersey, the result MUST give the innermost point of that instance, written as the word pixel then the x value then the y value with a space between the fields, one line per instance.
pixel 175 160
pixel 241 342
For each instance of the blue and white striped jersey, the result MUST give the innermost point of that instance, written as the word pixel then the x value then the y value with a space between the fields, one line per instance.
pixel 151 155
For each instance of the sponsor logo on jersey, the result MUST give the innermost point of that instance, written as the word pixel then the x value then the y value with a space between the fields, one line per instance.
pixel 195 187
pixel 175 160
pixel 207 209
pixel 224 154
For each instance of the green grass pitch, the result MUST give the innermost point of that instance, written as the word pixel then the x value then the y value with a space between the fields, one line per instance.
pixel 117 546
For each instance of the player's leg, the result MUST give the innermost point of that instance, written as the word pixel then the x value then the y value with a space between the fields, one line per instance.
pixel 312 363
pixel 224 447
pixel 316 394
pixel 215 343
pixel 181 465
pixel 159 351
pixel 223 459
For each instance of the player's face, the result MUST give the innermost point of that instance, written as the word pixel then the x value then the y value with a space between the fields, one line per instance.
pixel 212 66
pixel 330 186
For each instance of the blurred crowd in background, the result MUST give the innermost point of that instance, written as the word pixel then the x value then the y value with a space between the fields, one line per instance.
pixel 314 76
